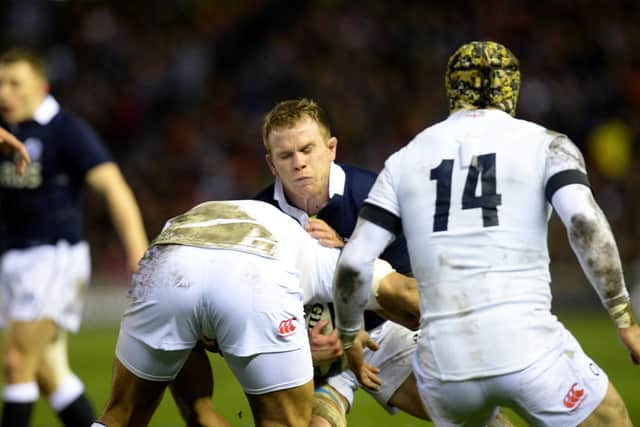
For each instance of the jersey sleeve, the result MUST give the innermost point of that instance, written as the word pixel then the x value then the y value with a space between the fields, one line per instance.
pixel 383 194
pixel 381 206
pixel 82 146
pixel 564 166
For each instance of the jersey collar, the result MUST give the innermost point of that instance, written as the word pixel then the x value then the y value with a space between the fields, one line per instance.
pixel 477 112
pixel 337 180
pixel 47 110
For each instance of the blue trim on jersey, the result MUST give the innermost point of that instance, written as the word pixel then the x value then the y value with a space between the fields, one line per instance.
pixel 43 206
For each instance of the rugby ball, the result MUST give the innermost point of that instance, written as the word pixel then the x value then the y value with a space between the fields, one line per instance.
pixel 313 314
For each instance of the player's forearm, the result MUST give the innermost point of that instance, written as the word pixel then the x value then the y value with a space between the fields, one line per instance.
pixel 351 293
pixel 595 247
pixel 107 180
pixel 127 221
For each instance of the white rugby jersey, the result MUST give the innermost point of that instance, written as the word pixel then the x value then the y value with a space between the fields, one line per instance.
pixel 470 193
pixel 261 229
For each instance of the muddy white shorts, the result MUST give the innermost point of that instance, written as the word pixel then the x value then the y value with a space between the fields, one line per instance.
pixel 394 358
pixel 250 304
pixel 47 281
pixel 560 389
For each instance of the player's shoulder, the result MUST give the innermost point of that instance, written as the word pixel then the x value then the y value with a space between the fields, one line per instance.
pixel 73 125
pixel 354 170
pixel 358 181
pixel 266 195
pixel 357 174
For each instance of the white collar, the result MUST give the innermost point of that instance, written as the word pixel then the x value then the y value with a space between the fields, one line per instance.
pixel 337 180
pixel 47 110
pixel 477 112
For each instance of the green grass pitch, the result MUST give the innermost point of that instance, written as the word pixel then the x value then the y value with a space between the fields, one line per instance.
pixel 92 353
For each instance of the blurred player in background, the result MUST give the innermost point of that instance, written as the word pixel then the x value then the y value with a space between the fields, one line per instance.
pixel 473 195
pixel 234 274
pixel 45 264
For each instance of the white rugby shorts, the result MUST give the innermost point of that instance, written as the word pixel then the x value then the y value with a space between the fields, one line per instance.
pixel 47 281
pixel 394 358
pixel 250 304
pixel 560 389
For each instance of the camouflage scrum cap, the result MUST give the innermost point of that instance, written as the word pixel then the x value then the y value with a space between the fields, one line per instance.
pixel 483 74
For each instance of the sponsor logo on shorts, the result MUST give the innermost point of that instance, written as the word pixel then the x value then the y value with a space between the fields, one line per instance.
pixel 287 327
pixel 574 396
pixel 594 369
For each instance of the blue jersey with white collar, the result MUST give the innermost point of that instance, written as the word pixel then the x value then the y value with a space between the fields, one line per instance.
pixel 43 206
pixel 341 213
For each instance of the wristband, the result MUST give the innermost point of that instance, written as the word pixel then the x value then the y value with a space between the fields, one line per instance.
pixel 622 315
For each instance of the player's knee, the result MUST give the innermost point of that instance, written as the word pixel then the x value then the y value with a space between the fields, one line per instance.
pixel 329 405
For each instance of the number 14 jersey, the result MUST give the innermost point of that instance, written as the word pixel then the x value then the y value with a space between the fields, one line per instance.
pixel 470 193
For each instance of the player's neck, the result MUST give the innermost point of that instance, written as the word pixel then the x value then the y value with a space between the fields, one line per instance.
pixel 311 204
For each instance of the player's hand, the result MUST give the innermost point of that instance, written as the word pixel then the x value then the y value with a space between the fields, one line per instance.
pixel 322 231
pixel 630 337
pixel 366 374
pixel 10 145
pixel 324 348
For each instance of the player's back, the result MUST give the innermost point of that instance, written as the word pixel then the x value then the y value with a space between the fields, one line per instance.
pixel 257 228
pixel 471 198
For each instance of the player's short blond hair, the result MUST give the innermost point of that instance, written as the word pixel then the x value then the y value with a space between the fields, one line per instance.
pixel 483 74
pixel 287 114
pixel 32 58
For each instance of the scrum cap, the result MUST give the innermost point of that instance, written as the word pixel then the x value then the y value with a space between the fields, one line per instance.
pixel 483 74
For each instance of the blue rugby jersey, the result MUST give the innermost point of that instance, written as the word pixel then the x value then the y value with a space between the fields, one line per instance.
pixel 348 189
pixel 43 206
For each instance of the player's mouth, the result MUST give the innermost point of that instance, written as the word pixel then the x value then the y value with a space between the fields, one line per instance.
pixel 305 180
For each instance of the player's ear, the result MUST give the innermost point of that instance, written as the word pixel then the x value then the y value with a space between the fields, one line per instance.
pixel 332 145
pixel 272 167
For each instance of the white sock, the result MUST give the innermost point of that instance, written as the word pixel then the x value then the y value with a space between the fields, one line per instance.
pixel 69 390
pixel 21 392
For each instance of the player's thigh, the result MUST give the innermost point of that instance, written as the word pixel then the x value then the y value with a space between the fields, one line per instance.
pixel 288 407
pixel 279 386
pixel 193 387
pixel 23 347
pixel 54 365
pixel 407 399
pixel 133 400
pixel 268 372
pixel 611 411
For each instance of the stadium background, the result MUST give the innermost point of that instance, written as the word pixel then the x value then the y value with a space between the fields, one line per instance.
pixel 177 89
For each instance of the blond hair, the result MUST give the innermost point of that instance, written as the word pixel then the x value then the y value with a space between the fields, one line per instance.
pixel 287 114
pixel 20 54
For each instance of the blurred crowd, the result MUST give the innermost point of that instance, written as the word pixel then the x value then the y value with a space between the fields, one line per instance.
pixel 177 88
